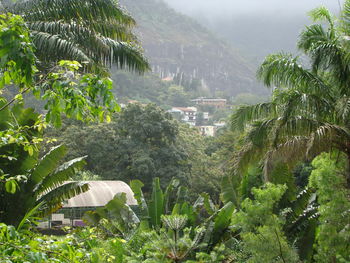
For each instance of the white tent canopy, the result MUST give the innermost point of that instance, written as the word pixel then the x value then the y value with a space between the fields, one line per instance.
pixel 100 193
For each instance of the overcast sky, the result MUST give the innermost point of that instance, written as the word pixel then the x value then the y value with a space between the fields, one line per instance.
pixel 216 7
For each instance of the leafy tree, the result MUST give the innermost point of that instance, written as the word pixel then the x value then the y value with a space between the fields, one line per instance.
pixel 96 32
pixel 261 228
pixel 309 112
pixel 205 172
pixel 27 182
pixel 98 142
pixel 64 90
pixel 146 145
pixel 139 144
pixel 17 64
pixel 177 96
pixel 333 235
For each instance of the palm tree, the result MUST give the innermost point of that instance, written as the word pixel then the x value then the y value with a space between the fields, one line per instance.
pixel 96 33
pixel 38 181
pixel 310 108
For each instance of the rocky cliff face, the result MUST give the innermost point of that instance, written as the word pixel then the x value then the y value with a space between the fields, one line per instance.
pixel 175 43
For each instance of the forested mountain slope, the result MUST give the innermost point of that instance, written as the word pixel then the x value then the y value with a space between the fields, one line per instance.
pixel 175 43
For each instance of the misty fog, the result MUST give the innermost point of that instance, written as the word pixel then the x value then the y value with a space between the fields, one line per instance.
pixel 256 27
pixel 212 8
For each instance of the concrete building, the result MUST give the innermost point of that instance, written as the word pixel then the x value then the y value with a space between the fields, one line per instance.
pixel 185 114
pixel 207 130
pixel 218 103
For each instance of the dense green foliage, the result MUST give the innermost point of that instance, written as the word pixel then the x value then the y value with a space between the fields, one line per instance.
pixel 262 231
pixel 333 236
pixel 143 142
pixel 308 113
pixel 272 208
pixel 306 117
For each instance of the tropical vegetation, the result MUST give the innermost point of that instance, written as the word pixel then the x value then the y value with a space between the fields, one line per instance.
pixel 272 187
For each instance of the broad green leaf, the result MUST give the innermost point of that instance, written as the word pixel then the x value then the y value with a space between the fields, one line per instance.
pixel 48 163
pixel 91 218
pixel 156 208
pixel 11 186
pixel 228 192
pixel 136 186
pixel 223 219
pixel 168 192
pixel 208 204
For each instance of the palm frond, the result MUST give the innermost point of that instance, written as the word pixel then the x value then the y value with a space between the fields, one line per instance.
pixel 249 113
pixel 294 102
pixel 67 10
pixel 294 126
pixel 343 110
pixel 283 70
pixel 98 32
pixel 330 56
pixel 260 130
pixel 302 222
pixel 291 150
pixel 328 137
pixel 247 155
pixel 322 14
pixel 116 31
pixel 54 47
pixel 80 31
pixel 312 35
pixel 123 54
pixel 345 18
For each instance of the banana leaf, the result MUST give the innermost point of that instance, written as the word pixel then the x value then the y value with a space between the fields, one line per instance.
pixel 156 208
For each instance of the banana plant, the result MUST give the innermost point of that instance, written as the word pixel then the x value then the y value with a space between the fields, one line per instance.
pixel 115 218
pixel 159 204
pixel 216 221
pixel 43 181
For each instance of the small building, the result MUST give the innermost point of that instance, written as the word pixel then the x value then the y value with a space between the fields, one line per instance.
pixel 218 103
pixel 186 114
pixel 207 130
pixel 206 116
pixel 99 194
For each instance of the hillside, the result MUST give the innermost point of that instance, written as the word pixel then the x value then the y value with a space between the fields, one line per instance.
pixel 174 43
pixel 256 27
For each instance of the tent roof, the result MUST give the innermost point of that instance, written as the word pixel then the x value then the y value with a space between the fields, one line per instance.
pixel 100 193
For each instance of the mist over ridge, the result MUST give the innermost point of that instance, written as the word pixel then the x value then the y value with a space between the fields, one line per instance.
pixel 232 7
pixel 257 27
